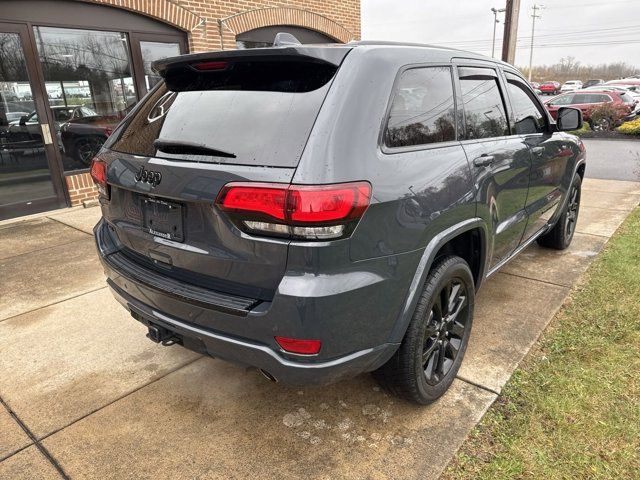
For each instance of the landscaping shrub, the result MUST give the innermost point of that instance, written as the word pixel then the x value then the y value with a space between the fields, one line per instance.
pixel 630 128
pixel 606 116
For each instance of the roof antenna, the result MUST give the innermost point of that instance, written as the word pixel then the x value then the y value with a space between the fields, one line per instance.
pixel 283 39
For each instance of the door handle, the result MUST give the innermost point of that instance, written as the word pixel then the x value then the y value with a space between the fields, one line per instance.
pixel 484 160
pixel 537 151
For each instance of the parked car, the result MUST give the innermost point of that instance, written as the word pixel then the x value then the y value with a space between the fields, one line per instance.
pixel 317 211
pixel 591 83
pixel 571 86
pixel 550 88
pixel 83 137
pixel 534 85
pixel 24 134
pixel 588 101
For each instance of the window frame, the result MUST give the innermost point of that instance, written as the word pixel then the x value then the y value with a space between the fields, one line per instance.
pixel 501 88
pixel 533 97
pixel 384 148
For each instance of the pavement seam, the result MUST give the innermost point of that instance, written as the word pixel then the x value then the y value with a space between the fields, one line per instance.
pixel 35 441
pixel 122 397
pixel 566 287
pixel 69 225
pixel 478 385
pixel 54 303
pixel 43 249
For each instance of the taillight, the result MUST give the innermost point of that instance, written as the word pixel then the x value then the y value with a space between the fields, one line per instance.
pixel 99 175
pixel 296 345
pixel 208 66
pixel 296 211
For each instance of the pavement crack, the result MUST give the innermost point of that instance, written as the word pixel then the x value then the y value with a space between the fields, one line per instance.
pixel 53 303
pixel 567 287
pixel 35 441
pixel 70 226
pixel 475 384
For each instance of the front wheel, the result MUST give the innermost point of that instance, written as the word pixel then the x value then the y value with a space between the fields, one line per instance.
pixel 86 148
pixel 602 125
pixel 433 347
pixel 560 236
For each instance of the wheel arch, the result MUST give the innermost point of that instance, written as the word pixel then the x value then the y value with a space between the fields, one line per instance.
pixel 449 241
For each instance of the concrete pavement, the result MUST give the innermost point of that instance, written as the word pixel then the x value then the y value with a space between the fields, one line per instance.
pixel 86 395
pixel 613 159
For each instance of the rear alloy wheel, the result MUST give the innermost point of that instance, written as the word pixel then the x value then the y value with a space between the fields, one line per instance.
pixel 432 350
pixel 602 125
pixel 87 148
pixel 560 236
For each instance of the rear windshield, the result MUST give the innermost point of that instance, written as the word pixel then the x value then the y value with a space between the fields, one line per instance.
pixel 249 113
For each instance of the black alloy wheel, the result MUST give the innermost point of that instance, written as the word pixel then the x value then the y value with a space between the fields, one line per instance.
pixel 445 331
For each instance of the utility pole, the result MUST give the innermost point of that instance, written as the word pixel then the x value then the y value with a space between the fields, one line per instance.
pixel 534 15
pixel 495 23
pixel 510 31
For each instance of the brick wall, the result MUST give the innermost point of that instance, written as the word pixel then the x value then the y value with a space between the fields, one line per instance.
pixel 81 188
pixel 214 24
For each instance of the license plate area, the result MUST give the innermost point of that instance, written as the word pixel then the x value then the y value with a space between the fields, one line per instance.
pixel 162 219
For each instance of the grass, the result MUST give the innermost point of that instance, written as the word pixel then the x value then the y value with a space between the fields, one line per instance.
pixel 585 129
pixel 572 410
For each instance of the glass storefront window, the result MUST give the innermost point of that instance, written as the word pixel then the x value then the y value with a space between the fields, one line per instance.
pixel 89 86
pixel 152 51
pixel 24 170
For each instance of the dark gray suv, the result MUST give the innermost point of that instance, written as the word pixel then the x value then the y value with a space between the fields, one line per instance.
pixel 322 211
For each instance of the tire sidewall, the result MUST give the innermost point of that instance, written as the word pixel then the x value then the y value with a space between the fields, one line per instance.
pixel 456 267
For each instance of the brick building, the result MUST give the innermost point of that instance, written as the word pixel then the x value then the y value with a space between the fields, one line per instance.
pixel 71 69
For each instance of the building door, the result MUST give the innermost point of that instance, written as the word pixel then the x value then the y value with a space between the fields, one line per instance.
pixel 30 180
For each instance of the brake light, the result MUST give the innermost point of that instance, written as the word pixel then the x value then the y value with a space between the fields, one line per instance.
pixel 298 211
pixel 208 66
pixel 295 345
pixel 99 174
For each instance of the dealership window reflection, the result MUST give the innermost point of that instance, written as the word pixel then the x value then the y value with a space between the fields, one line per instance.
pixel 89 87
pixel 152 51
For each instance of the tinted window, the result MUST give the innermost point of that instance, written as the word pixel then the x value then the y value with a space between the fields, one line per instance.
pixel 528 117
pixel 246 115
pixel 423 109
pixel 482 102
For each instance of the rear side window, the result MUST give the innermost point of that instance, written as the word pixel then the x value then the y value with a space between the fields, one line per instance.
pixel 528 117
pixel 247 113
pixel 423 108
pixel 483 105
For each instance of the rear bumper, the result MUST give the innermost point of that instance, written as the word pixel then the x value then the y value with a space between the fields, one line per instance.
pixel 246 337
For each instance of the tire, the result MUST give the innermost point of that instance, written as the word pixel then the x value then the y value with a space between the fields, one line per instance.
pixel 86 148
pixel 560 236
pixel 429 357
pixel 602 125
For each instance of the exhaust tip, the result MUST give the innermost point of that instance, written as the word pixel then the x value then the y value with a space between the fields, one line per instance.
pixel 267 375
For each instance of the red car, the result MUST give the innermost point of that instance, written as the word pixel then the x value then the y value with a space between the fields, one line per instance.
pixel 588 100
pixel 550 88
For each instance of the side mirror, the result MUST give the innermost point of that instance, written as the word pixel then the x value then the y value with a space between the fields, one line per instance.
pixel 23 119
pixel 569 119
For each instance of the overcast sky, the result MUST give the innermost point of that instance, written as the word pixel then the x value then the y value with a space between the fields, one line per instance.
pixel 612 27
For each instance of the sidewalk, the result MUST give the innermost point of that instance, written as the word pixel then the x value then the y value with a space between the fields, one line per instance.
pixel 85 393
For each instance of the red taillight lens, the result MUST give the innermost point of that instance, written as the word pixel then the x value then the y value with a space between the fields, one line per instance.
pixel 207 66
pixel 99 174
pixel 295 345
pixel 328 203
pixel 265 199
pixel 99 171
pixel 301 211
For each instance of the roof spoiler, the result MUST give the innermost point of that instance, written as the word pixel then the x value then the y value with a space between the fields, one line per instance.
pixel 289 52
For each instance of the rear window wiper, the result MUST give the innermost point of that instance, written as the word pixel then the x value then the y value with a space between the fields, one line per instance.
pixel 175 147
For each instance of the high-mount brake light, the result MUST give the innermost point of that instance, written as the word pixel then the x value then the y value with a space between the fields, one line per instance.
pixel 99 175
pixel 311 212
pixel 209 66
